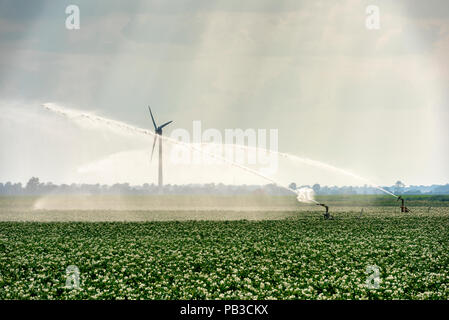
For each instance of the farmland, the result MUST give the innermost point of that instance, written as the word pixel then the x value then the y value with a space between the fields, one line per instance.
pixel 237 250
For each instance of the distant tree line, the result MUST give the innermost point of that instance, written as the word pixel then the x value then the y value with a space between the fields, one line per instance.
pixel 35 187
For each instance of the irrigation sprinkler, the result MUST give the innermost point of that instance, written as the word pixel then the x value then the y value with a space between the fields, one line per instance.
pixel 403 207
pixel 327 215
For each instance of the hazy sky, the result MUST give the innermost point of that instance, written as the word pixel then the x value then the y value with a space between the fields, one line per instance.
pixel 375 102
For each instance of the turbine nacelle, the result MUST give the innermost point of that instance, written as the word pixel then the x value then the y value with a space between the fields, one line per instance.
pixel 158 130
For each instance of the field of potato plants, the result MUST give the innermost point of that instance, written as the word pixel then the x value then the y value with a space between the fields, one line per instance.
pixel 296 257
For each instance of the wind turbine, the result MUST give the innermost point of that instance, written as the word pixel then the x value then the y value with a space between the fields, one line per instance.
pixel 158 136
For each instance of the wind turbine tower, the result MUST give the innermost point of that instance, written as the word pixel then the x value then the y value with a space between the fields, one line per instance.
pixel 158 136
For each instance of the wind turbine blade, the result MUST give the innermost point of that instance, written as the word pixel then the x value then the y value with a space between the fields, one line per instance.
pixel 152 118
pixel 154 144
pixel 165 124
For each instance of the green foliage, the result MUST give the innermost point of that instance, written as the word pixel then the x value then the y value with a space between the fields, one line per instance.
pixel 297 258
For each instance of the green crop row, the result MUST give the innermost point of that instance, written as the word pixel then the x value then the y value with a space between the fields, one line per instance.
pixel 304 258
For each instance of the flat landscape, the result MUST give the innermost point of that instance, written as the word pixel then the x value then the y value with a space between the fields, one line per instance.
pixel 217 247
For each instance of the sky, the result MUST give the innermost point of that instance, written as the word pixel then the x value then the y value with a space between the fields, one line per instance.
pixel 375 102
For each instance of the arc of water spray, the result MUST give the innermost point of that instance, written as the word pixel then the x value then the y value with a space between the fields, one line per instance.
pixel 70 114
pixel 73 114
pixel 308 162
